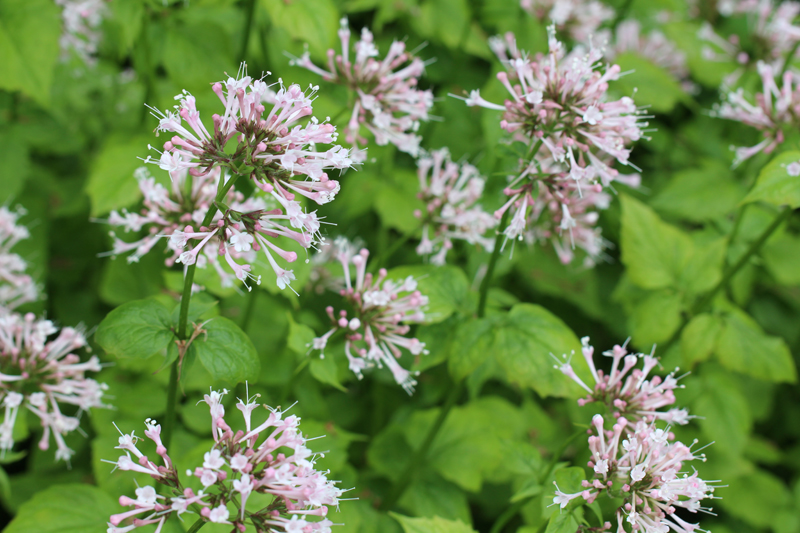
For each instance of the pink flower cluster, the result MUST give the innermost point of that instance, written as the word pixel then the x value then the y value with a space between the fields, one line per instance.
pixel 579 19
pixel 381 312
pixel 773 109
pixel 269 459
pixel 635 460
pixel 43 376
pixel 81 20
pixel 16 286
pixel 388 102
pixel 275 151
pixel 573 136
pixel 451 192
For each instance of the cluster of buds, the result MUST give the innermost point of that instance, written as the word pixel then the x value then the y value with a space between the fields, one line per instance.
pixel 451 192
pixel 16 286
pixel 270 459
pixel 635 460
pixel 81 20
pixel 579 19
pixel 382 310
pixel 572 135
pixel 654 45
pixel 772 34
pixel 43 376
pixel 388 102
pixel 774 109
pixel 276 152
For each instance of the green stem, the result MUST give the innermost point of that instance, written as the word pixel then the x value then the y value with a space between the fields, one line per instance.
pixel 183 320
pixel 487 278
pixel 736 267
pixel 788 60
pixel 248 312
pixel 248 25
pixel 196 526
pixel 389 252
pixel 419 456
pixel 621 13
pixel 508 514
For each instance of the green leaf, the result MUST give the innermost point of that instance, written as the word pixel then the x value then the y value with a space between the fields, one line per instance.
pixel 562 521
pixel 227 352
pixel 325 370
pixel 774 184
pixel 653 86
pixel 396 200
pixel 14 167
pixel 755 498
pixel 300 336
pixel 781 256
pixel 700 194
pixel 310 21
pixel 197 53
pixel 521 343
pixel 111 184
pixel 29 33
pixel 446 287
pixel 654 252
pixel 724 411
pixel 699 338
pixel 744 347
pixel 431 525
pixel 656 317
pixel 138 329
pixel 704 268
pixel 432 496
pixel 74 508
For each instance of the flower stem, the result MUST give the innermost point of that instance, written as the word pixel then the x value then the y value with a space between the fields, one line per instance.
pixel 789 58
pixel 197 525
pixel 183 320
pixel 487 279
pixel 389 252
pixel 621 13
pixel 248 312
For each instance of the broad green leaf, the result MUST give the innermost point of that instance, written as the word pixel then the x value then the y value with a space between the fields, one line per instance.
pixel 432 496
pixel 724 413
pixel 470 436
pixel 122 282
pixel 65 509
pixel 444 20
pixel 774 184
pixel 227 352
pixel 310 21
pixel 389 452
pixel 699 338
pixel 325 370
pixel 781 258
pixel 521 342
pixel 196 54
pixel 656 317
pixel 704 268
pixel 396 200
pixel 654 252
pixel 14 167
pixel 569 479
pixel 652 85
pixel 29 32
pixel 111 184
pixel 446 287
pixel 745 348
pixel 700 194
pixel 136 329
pixel 755 498
pixel 431 525
pixel 562 521
pixel 709 73
pixel 300 336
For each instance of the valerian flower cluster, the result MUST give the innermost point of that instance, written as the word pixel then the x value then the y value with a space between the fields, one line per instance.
pixel 275 150
pixel 39 371
pixel 388 102
pixel 264 459
pixel 637 459
pixel 382 310
pixel 571 136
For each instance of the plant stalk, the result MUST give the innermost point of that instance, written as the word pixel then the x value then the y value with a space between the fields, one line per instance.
pixel 250 7
pixel 487 279
pixel 197 525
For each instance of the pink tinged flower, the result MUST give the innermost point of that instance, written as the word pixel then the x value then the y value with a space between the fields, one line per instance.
pixel 213 460
pixel 239 462
pixel 243 486
pixel 793 169
pixel 220 514
pixel 241 242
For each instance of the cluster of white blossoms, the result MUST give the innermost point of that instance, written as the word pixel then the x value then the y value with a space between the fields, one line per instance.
pixel 388 102
pixel 579 19
pixel 81 33
pixel 636 460
pixel 451 192
pixel 382 310
pixel 203 216
pixel 559 110
pixel 40 373
pixel 16 285
pixel 263 459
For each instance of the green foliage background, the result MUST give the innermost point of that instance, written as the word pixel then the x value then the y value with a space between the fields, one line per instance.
pixel 70 136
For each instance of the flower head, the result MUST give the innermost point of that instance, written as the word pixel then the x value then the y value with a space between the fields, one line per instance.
pixel 382 310
pixel 16 286
pixel 40 372
pixel 580 19
pixel 271 459
pixel 82 20
pixel 389 104
pixel 451 192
